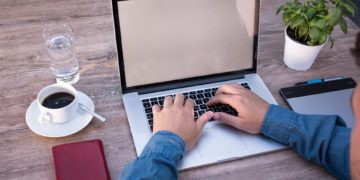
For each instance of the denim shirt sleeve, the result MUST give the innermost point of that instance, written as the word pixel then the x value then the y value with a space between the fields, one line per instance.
pixel 323 139
pixel 158 160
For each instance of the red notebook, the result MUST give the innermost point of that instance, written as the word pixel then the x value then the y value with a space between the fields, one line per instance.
pixel 80 160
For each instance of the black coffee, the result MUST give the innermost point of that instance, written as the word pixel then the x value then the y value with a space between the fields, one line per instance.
pixel 58 100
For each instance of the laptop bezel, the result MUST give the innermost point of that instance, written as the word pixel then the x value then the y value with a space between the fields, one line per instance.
pixel 179 83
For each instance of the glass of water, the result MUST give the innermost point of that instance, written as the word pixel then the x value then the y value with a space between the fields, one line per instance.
pixel 61 49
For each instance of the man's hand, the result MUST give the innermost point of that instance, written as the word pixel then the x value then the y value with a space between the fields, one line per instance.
pixel 178 117
pixel 250 107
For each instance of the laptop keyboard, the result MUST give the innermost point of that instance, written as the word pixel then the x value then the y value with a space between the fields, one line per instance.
pixel 200 97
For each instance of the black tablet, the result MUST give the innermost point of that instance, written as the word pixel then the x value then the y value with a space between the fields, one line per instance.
pixel 328 97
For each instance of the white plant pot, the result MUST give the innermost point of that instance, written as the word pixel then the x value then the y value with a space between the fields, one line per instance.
pixel 298 56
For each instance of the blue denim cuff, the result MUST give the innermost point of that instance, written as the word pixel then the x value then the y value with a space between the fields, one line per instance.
pixel 167 145
pixel 277 123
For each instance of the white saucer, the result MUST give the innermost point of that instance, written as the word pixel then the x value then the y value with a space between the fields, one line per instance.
pixel 81 120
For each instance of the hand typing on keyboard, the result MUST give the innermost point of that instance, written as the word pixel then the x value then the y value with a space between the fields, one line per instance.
pixel 251 108
pixel 177 116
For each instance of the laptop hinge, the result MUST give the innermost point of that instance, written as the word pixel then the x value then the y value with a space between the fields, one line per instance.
pixel 176 85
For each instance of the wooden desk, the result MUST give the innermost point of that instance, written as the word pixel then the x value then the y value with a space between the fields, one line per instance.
pixel 24 70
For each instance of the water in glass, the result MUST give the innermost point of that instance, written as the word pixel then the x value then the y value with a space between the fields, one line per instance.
pixel 61 49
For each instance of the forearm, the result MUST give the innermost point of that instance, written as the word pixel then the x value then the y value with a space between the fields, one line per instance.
pixel 319 138
pixel 158 160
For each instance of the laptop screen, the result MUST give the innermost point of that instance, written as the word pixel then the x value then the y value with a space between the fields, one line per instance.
pixel 166 40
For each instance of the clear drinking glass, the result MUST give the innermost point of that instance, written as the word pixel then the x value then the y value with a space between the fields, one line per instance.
pixel 61 49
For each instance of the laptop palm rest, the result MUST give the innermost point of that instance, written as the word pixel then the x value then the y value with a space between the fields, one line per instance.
pixel 220 140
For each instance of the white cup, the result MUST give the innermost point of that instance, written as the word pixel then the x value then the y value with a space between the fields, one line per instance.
pixel 59 115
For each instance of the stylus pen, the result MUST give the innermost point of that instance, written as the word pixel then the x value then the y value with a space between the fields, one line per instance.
pixel 313 81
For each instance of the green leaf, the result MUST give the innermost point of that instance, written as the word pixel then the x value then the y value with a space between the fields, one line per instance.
pixel 310 12
pixel 322 38
pixel 349 8
pixel 297 21
pixel 343 25
pixel 279 9
pixel 334 16
pixel 314 34
pixel 303 30
pixel 321 6
pixel 318 23
pixel 286 18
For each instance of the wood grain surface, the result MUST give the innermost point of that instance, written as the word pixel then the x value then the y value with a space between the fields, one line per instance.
pixel 24 70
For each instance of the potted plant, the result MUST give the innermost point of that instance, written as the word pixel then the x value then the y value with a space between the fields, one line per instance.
pixel 308 26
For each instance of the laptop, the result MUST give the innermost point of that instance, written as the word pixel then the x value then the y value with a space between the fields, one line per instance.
pixel 191 47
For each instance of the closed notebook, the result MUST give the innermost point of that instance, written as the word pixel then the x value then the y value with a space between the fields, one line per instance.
pixel 80 160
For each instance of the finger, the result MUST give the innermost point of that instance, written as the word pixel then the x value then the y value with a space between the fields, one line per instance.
pixel 189 103
pixel 229 89
pixel 156 109
pixel 168 101
pixel 226 118
pixel 203 119
pixel 221 98
pixel 179 99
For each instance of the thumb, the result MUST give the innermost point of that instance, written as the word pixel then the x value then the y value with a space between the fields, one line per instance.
pixel 203 119
pixel 226 118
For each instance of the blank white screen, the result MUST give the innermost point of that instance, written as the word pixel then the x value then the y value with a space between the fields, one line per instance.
pixel 165 40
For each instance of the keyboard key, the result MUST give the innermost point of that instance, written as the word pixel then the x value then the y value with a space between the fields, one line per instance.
pixel 161 103
pixel 200 96
pixel 224 109
pixel 193 97
pixel 146 105
pixel 203 106
pixel 162 98
pixel 186 93
pixel 148 110
pixel 244 84
pixel 149 116
pixel 196 108
pixel 153 99
pixel 145 100
pixel 213 93
pixel 151 121
pixel 198 101
pixel 217 109
pixel 200 91
pixel 201 112
pixel 214 89
pixel 192 92
pixel 207 95
pixel 207 90
pixel 205 100
pixel 154 102
pixel 216 105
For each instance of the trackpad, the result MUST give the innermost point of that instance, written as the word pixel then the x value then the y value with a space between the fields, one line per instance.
pixel 220 140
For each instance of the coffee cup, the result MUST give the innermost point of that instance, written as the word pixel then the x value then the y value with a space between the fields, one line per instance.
pixel 58 103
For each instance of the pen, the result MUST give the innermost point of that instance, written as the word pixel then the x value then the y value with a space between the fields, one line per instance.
pixel 313 81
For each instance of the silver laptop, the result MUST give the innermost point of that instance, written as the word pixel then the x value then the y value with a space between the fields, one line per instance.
pixel 191 47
